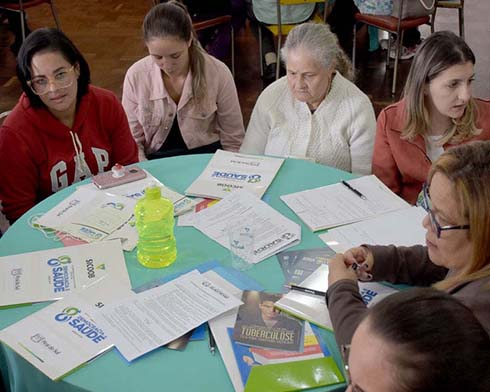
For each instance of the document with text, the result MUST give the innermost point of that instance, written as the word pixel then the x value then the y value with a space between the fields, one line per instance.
pixel 340 204
pixel 153 318
pixel 64 335
pixel 51 274
pixel 273 232
pixel 400 228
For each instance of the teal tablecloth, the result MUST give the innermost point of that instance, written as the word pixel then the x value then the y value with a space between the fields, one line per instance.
pixel 194 369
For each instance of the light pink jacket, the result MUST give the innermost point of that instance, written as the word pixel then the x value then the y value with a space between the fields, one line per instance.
pixel 151 110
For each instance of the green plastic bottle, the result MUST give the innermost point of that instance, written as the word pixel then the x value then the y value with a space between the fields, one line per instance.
pixel 155 224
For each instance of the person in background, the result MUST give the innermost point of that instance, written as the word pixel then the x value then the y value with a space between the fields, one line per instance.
pixel 418 340
pixel 264 12
pixel 437 111
pixel 178 99
pixel 62 130
pixel 456 257
pixel 315 112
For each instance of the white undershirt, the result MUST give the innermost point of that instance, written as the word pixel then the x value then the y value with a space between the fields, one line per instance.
pixel 434 150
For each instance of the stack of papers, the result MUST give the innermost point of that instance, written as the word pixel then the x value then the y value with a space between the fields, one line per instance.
pixel 52 274
pixel 136 190
pixel 228 172
pixel 91 215
pixel 273 232
pixel 336 204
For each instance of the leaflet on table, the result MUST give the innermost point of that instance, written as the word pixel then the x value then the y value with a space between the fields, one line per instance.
pixel 64 335
pixel 90 215
pixel 273 232
pixel 274 370
pixel 52 274
pixel 142 323
pixel 229 171
pixel 313 307
pixel 335 205
pixel 189 218
pixel 136 190
pixel 400 228
pixel 258 324
pixel 297 265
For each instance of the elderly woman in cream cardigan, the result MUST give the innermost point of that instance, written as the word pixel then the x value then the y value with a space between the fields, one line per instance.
pixel 315 112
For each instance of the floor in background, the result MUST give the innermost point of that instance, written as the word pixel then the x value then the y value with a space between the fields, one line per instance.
pixel 108 32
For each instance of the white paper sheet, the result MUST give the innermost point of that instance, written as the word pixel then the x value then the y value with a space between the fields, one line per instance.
pixel 64 335
pixel 51 274
pixel 273 232
pixel 157 316
pixel 400 228
pixel 229 172
pixel 335 205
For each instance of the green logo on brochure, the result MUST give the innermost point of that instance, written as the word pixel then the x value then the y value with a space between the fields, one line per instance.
pixel 61 260
pixel 117 206
pixel 66 314
pixel 100 267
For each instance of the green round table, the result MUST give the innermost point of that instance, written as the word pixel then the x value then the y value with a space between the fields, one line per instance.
pixel 193 369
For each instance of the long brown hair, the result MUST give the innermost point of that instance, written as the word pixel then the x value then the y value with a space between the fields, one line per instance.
pixel 468 168
pixel 171 19
pixel 437 53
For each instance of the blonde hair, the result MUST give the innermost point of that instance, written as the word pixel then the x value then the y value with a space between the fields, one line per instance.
pixel 468 168
pixel 323 45
pixel 171 19
pixel 437 53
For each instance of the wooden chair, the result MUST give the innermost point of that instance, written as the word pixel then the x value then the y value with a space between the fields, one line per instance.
pixel 279 29
pixel 391 24
pixel 21 6
pixel 219 20
pixel 453 4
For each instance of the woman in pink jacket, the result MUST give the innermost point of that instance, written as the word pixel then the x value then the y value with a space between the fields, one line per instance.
pixel 438 111
pixel 179 100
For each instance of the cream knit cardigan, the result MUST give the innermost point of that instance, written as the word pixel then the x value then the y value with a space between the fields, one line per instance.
pixel 340 133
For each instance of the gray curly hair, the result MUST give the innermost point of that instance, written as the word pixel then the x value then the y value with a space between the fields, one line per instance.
pixel 317 39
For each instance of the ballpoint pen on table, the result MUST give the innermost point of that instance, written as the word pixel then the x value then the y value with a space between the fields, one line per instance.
pixel 306 290
pixel 211 341
pixel 351 188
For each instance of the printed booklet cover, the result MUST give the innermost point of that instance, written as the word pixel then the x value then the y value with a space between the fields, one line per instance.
pixel 51 274
pixel 63 336
pixel 259 324
pixel 229 171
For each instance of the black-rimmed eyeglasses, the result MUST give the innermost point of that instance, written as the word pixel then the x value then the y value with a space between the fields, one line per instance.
pixel 426 204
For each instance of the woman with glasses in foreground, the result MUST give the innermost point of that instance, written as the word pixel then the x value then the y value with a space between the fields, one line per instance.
pixel 62 130
pixel 456 258
pixel 418 340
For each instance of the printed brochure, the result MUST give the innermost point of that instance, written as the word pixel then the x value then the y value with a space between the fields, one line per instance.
pixel 52 274
pixel 229 171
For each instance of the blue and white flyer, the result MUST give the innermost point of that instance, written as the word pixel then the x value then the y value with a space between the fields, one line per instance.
pixel 64 335
pixel 229 171
pixel 54 273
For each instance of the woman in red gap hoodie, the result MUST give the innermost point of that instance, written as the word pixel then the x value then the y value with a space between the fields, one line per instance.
pixel 62 130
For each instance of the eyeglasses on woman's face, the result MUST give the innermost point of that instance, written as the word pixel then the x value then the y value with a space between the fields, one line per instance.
pixel 63 78
pixel 426 204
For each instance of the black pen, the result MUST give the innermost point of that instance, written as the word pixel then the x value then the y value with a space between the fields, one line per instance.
pixel 211 341
pixel 306 290
pixel 350 187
